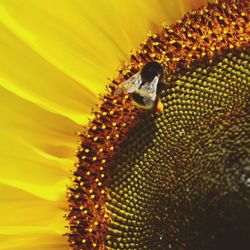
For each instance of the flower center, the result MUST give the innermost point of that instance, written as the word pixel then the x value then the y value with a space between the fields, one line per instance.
pixel 179 179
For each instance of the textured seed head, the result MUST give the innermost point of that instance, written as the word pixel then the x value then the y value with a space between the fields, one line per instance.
pixel 179 179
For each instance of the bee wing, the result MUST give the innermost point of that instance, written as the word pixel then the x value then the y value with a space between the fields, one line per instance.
pixel 148 90
pixel 130 85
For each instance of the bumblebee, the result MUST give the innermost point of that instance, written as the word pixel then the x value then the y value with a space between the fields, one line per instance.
pixel 145 86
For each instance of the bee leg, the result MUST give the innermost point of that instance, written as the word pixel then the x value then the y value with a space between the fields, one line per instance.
pixel 159 106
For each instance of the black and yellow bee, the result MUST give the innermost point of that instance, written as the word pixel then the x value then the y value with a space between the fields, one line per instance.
pixel 145 86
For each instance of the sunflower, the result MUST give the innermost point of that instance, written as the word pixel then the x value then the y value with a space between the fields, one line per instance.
pixel 55 59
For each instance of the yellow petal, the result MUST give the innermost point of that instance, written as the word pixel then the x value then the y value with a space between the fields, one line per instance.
pixel 29 140
pixel 32 222
pixel 32 181
pixel 37 80
pixel 33 239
